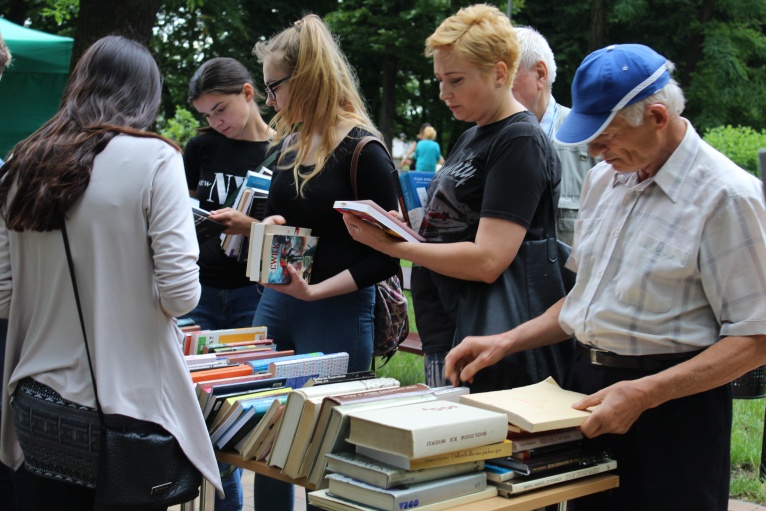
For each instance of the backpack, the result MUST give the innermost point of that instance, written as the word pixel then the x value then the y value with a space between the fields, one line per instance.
pixel 392 324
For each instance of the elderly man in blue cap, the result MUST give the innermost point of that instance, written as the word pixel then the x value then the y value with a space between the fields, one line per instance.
pixel 669 306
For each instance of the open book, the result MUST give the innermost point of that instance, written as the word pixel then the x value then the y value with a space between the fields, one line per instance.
pixel 540 407
pixel 373 214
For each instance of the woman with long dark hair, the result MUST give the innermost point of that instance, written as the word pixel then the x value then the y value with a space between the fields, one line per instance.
pixel 121 193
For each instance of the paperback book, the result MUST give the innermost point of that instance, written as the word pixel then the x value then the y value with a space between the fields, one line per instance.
pixel 373 214
pixel 518 485
pixel 287 250
pixel 205 226
pixel 414 190
pixel 383 475
pixel 543 406
pixel 260 253
pixel 484 452
pixel 324 500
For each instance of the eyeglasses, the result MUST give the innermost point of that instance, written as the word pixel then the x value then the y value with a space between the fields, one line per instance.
pixel 271 88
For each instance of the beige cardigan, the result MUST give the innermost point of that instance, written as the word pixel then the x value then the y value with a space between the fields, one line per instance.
pixel 135 251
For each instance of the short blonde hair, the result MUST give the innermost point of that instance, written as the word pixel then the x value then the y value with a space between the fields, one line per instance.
pixel 5 55
pixel 429 133
pixel 324 91
pixel 479 34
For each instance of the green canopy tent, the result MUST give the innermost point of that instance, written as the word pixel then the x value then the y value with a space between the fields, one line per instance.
pixel 31 87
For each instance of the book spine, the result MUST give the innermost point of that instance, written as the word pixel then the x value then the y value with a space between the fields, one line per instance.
pixel 411 203
pixel 526 444
pixel 512 488
pixel 400 196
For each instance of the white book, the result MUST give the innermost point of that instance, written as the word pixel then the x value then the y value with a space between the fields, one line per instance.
pixel 383 475
pixel 294 407
pixel 406 497
pixel 336 431
pixel 373 214
pixel 527 483
pixel 543 406
pixel 426 429
pixel 323 499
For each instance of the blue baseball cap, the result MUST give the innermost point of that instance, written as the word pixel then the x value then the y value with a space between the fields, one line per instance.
pixel 607 81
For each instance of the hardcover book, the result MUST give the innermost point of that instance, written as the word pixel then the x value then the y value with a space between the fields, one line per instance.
pixel 383 475
pixel 294 407
pixel 324 500
pixel 543 406
pixel 576 456
pixel 427 429
pixel 414 186
pixel 524 484
pixel 373 214
pixel 529 441
pixel 207 337
pixel 484 452
pixel 332 425
pixel 406 497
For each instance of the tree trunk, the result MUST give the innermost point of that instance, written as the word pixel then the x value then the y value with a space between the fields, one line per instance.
pixel 388 99
pixel 694 48
pixel 133 19
pixel 596 25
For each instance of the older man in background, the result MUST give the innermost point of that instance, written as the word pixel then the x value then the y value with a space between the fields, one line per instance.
pixel 532 87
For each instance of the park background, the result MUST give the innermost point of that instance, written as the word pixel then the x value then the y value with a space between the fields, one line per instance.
pixel 718 46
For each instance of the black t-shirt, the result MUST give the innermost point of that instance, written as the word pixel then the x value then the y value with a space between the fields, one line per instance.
pixel 337 250
pixel 215 167
pixel 501 170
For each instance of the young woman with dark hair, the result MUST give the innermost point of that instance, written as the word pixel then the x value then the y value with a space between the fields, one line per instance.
pixel 120 190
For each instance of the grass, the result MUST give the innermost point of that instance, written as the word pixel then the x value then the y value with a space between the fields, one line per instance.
pixel 746 437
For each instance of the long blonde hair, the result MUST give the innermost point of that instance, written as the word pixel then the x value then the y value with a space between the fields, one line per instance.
pixel 324 92
pixel 479 34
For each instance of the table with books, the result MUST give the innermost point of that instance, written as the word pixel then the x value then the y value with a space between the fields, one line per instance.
pixel 367 443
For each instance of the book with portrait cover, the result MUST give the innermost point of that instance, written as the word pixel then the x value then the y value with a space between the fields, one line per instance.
pixel 287 250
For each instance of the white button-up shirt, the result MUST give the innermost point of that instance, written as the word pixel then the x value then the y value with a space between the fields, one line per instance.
pixel 670 264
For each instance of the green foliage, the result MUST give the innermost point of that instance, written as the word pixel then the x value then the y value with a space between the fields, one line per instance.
pixel 179 128
pixel 740 144
pixel 405 367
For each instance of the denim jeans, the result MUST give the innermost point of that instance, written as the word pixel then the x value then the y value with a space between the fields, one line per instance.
pixel 221 309
pixel 339 323
pixel 226 308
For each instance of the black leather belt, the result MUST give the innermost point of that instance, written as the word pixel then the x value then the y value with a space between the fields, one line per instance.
pixel 649 363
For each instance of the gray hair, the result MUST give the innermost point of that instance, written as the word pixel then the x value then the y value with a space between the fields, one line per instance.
pixel 534 49
pixel 670 95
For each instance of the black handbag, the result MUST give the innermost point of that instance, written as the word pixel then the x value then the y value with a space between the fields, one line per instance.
pixel 140 464
pixel 534 281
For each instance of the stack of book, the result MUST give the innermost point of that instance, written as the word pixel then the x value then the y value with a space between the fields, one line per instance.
pixel 547 446
pixel 415 455
pixel 198 341
pixel 273 248
pixel 250 200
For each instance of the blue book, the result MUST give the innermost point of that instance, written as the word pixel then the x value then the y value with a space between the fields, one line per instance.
pixel 252 413
pixel 262 365
pixel 415 195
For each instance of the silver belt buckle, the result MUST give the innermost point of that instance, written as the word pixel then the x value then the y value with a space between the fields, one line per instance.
pixel 594 352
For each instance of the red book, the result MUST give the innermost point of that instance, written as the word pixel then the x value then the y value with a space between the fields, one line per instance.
pixel 221 372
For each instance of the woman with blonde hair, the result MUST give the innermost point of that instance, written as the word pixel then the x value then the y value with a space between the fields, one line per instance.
pixel 491 195
pixel 319 121
pixel 428 154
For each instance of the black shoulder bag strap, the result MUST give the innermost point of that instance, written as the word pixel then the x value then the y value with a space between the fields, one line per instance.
pixel 82 321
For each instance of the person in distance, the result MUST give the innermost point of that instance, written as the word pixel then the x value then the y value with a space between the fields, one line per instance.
pixel 320 118
pixel 666 309
pixel 428 154
pixel 120 192
pixel 489 196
